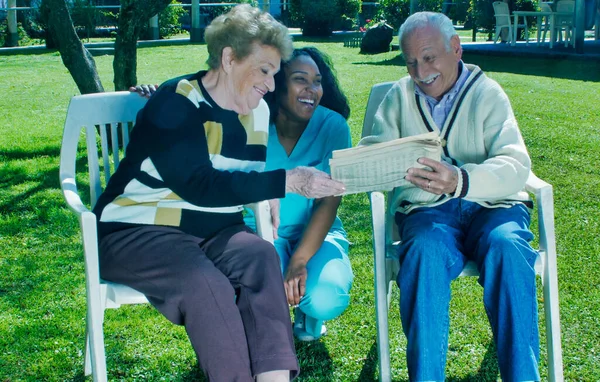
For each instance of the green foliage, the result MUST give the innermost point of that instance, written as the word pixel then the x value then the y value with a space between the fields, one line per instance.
pixel 394 12
pixel 84 16
pixel 24 38
pixel 349 10
pixel 321 17
pixel 168 19
pixel 3 32
pixel 213 12
pixel 459 11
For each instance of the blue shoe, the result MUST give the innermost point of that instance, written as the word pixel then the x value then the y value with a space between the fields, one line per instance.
pixel 300 330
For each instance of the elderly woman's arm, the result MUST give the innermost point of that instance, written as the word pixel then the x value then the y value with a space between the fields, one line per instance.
pixel 180 156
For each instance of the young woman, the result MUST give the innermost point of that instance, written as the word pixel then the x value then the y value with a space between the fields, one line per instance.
pixel 308 122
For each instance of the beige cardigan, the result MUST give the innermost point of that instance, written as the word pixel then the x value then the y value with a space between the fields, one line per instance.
pixel 481 138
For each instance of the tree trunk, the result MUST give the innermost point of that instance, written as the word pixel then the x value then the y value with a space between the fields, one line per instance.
pixel 75 56
pixel 133 16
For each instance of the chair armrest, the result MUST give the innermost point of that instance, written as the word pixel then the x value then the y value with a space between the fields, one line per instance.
pixel 69 190
pixel 377 201
pixel 262 215
pixel 536 185
pixel 545 210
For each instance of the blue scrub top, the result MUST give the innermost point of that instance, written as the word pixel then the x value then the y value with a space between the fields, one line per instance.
pixel 327 131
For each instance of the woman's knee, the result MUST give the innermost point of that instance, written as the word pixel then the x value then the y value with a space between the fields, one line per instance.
pixel 263 254
pixel 325 301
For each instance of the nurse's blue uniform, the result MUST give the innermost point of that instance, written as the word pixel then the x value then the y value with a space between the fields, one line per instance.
pixel 329 272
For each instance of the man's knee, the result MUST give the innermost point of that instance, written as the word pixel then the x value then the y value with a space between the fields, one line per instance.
pixel 509 246
pixel 429 249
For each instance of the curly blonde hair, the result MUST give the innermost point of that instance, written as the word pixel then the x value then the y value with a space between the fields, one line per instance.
pixel 239 29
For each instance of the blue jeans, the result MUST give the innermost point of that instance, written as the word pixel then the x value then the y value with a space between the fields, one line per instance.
pixel 436 244
pixel 328 282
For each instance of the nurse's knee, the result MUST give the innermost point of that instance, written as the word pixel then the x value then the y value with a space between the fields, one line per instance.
pixel 326 300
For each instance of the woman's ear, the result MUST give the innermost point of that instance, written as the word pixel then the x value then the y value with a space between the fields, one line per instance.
pixel 227 59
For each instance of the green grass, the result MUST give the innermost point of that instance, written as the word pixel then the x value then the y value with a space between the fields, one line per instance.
pixel 42 292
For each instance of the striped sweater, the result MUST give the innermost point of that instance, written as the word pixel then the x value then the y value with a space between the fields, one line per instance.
pixel 480 137
pixel 190 164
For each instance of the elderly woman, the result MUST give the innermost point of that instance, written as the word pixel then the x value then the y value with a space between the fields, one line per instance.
pixel 170 220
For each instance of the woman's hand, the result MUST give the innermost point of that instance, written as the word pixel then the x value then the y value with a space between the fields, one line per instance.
pixel 144 90
pixel 442 178
pixel 312 183
pixel 294 281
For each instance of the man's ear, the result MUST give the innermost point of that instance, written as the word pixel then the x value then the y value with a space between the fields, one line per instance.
pixel 456 47
pixel 227 59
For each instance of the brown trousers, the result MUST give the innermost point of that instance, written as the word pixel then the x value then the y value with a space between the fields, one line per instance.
pixel 227 291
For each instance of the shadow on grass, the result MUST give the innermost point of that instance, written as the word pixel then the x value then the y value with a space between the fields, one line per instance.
pixel 11 176
pixel 488 370
pixel 53 151
pixel 369 369
pixel 554 68
pixel 194 375
pixel 315 361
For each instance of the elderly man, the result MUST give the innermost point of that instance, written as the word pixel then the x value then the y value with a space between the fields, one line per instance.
pixel 469 206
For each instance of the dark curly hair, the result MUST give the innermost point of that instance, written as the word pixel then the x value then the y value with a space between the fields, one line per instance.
pixel 333 96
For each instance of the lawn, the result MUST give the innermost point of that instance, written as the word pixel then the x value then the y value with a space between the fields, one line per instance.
pixel 42 292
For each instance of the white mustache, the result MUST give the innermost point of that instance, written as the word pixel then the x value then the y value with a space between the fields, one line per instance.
pixel 428 78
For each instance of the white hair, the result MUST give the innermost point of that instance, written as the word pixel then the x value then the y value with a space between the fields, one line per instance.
pixel 420 20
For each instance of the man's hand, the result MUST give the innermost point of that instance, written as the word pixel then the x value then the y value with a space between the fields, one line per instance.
pixel 295 280
pixel 312 183
pixel 274 209
pixel 144 90
pixel 442 178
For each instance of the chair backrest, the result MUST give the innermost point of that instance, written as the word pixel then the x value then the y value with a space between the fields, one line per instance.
pixel 107 116
pixel 501 13
pixel 378 91
pixel 545 7
pixel 565 6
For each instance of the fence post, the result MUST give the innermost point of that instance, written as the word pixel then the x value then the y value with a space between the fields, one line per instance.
pixel 13 33
pixel 196 33
pixel 153 33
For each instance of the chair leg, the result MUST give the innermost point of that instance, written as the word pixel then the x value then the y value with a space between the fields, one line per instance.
pixel 551 313
pixel 383 342
pixel 95 355
pixel 87 360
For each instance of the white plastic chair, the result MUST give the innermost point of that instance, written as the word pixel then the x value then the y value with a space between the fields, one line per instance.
pixel 545 26
pixel 385 242
pixel 565 23
pixel 502 15
pixel 114 112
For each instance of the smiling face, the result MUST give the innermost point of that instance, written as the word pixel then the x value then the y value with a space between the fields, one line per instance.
pixel 304 90
pixel 433 68
pixel 251 78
